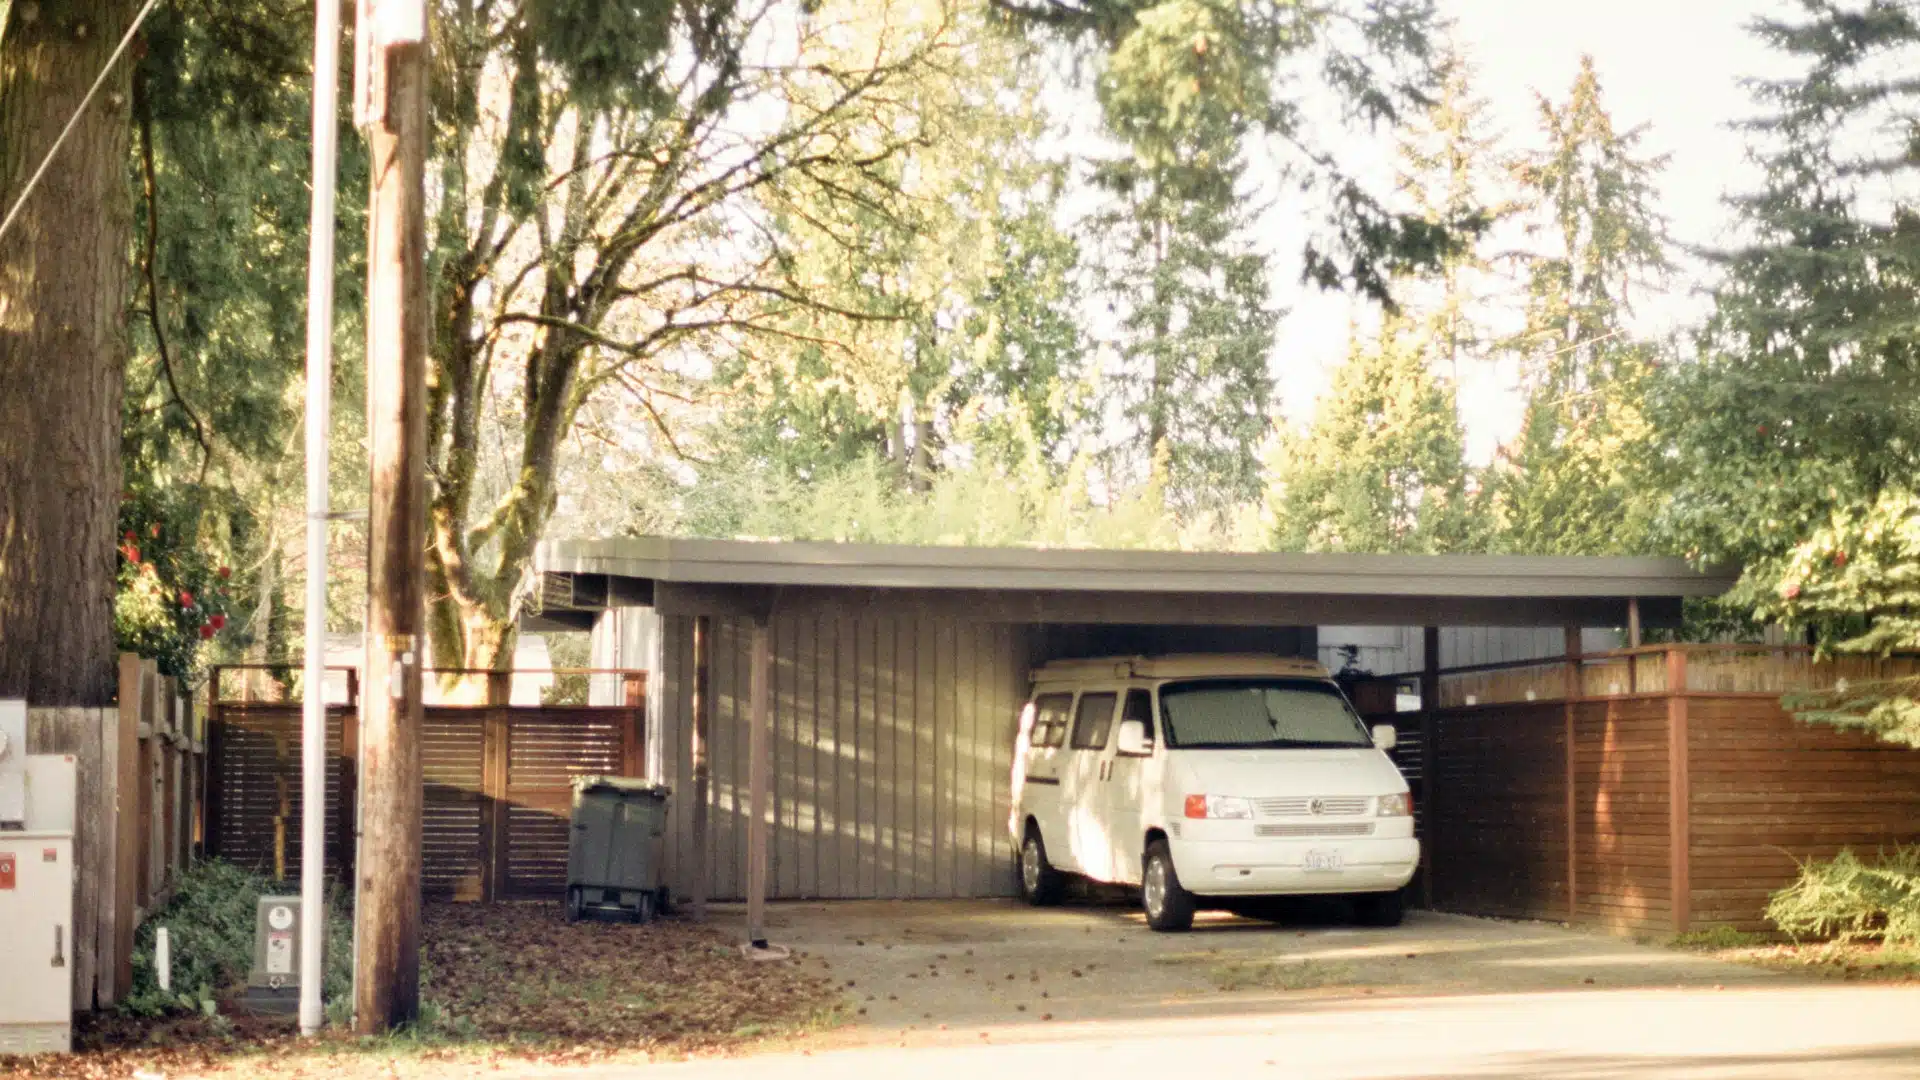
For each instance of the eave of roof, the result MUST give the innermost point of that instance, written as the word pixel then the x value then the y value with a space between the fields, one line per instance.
pixel 878 566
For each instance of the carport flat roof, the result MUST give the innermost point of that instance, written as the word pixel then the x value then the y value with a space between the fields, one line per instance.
pixel 1021 584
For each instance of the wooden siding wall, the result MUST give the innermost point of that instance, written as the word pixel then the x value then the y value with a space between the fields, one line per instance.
pixel 1620 795
pixel 1767 790
pixel 1497 811
pixel 891 748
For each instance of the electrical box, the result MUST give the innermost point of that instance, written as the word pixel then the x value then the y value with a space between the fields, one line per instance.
pixel 273 985
pixel 36 892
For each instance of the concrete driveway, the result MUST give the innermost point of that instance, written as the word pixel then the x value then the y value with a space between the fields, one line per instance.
pixel 912 968
pixel 960 991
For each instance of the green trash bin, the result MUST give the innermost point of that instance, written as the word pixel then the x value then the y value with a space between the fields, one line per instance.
pixel 615 848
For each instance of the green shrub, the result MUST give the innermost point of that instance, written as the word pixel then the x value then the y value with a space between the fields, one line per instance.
pixel 210 924
pixel 1718 937
pixel 1847 899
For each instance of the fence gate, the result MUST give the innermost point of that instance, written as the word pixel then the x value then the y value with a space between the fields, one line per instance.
pixel 497 788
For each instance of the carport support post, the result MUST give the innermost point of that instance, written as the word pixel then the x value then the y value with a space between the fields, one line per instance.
pixel 758 742
pixel 697 751
pixel 1573 692
pixel 1430 741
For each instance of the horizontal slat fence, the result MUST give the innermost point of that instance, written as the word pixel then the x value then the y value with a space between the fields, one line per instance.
pixel 1672 792
pixel 497 786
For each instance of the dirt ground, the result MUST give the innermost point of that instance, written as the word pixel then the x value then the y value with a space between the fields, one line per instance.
pixel 922 968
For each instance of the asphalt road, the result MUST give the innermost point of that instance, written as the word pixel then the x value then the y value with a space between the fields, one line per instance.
pixel 1795 1032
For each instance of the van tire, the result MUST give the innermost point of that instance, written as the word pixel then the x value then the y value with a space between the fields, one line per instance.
pixel 1380 909
pixel 1040 884
pixel 1169 906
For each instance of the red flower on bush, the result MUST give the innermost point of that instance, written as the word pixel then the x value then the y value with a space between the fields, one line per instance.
pixel 225 572
pixel 1840 558
pixel 155 531
pixel 186 599
pixel 1791 592
pixel 218 622
pixel 206 631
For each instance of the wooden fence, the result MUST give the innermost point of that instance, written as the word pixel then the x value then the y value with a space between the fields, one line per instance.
pixel 497 787
pixel 139 764
pixel 1648 790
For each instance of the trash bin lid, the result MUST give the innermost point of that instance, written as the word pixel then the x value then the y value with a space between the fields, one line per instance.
pixel 620 783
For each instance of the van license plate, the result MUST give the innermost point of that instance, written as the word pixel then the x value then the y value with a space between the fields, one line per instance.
pixel 1323 860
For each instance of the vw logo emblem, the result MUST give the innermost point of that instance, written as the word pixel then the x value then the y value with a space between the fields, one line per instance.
pixel 1316 807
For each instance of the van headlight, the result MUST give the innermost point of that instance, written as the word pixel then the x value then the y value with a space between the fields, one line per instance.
pixel 1218 806
pixel 1400 805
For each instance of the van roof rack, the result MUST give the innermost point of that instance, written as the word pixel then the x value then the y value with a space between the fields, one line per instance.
pixel 1179 665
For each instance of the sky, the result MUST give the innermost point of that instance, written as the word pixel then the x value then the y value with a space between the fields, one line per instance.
pixel 1674 65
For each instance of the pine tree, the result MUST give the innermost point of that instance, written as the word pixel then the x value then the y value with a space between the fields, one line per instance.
pixel 1569 485
pixel 1188 379
pixel 1795 440
pixel 1450 170
pixel 1381 469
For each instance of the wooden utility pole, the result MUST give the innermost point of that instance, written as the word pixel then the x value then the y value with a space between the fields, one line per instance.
pixel 392 99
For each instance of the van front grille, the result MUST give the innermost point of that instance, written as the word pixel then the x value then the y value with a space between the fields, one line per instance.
pixel 1300 832
pixel 1305 806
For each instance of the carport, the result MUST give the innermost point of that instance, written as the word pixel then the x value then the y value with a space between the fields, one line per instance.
pixel 837 718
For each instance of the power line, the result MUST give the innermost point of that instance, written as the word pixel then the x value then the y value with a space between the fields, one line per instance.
pixel 34 181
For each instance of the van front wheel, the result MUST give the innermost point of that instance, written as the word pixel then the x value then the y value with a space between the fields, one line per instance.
pixel 1168 904
pixel 1040 884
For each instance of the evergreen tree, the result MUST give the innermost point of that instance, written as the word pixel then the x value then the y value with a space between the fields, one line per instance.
pixel 1795 442
pixel 1570 484
pixel 1381 469
pixel 1188 383
pixel 1450 170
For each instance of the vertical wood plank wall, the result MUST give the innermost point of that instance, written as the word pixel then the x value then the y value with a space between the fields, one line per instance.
pixel 891 747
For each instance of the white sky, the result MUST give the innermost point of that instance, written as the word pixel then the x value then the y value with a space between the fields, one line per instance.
pixel 1672 64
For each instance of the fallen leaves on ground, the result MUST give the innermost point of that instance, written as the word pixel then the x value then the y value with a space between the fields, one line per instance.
pixel 502 984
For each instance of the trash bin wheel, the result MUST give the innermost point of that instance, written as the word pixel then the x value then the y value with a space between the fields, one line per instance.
pixel 643 911
pixel 576 901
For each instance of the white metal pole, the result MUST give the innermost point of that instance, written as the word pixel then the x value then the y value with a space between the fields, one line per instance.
pixel 313 726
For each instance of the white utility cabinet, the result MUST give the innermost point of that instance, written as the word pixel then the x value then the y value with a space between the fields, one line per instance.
pixel 36 892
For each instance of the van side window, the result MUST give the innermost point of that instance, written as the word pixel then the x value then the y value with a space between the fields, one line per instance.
pixel 1092 720
pixel 1139 707
pixel 1050 719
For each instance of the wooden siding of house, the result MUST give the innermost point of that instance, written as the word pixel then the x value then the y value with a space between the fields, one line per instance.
pixel 891 755
pixel 1767 791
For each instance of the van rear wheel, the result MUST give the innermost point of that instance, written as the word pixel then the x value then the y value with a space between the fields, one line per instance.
pixel 1168 904
pixel 1040 884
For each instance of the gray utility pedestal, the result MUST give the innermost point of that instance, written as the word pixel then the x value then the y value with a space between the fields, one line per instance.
pixel 616 846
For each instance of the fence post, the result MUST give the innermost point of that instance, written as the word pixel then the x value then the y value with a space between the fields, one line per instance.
pixel 1679 791
pixel 121 805
pixel 347 810
pixel 493 787
pixel 210 770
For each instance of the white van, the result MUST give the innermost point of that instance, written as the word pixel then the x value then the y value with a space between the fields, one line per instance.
pixel 1208 776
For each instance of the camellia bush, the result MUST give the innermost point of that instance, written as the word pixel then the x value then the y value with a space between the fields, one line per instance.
pixel 171 596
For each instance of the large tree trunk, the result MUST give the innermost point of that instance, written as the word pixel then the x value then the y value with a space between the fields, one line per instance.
pixel 63 277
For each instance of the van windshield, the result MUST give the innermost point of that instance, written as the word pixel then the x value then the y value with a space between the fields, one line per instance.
pixel 1242 714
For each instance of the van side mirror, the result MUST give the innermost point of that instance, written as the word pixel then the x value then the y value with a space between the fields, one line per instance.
pixel 1385 737
pixel 1133 738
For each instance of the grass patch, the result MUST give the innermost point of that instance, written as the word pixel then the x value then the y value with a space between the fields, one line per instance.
pixel 1279 975
pixel 1865 962
pixel 1717 938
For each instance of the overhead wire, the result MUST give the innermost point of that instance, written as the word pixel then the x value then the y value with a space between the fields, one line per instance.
pixel 53 151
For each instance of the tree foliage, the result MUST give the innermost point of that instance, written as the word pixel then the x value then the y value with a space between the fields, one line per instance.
pixel 1382 467
pixel 1568 485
